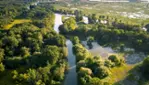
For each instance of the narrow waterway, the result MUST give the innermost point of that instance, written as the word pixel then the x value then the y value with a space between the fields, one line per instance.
pixel 58 22
pixel 71 77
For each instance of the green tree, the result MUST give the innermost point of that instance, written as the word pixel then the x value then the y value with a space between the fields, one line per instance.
pixel 65 51
pixel 51 54
pixel 79 15
pixel 39 82
pixel 89 41
pixel 108 63
pixel 68 25
pixel 2 67
pixel 25 52
pixel 145 69
pixel 10 41
pixel 58 73
pixel 85 71
pixel 60 40
pixel 81 52
pixel 32 75
pixel 116 60
pixel 1 55
pixel 95 81
pixel 84 80
pixel 92 18
pixel 15 74
pixel 102 72
pixel 76 40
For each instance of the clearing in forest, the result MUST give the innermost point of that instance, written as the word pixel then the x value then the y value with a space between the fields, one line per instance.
pixel 17 21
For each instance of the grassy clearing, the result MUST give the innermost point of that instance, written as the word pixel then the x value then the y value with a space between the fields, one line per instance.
pixel 119 73
pixel 17 21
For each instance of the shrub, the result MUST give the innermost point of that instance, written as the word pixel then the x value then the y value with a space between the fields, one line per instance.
pixel 108 64
pixel 75 40
pixel 95 81
pixel 85 71
pixel 145 66
pixel 80 64
pixel 2 67
pixel 116 60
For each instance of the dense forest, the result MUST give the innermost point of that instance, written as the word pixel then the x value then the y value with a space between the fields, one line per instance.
pixel 31 53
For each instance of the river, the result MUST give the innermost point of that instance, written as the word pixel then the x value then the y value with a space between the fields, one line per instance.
pixel 71 77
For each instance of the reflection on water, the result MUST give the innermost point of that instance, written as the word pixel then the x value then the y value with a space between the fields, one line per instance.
pixel 134 58
pixel 104 52
pixel 58 22
pixel 99 50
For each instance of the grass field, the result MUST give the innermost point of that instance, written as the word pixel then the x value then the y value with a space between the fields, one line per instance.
pixel 119 73
pixel 17 21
